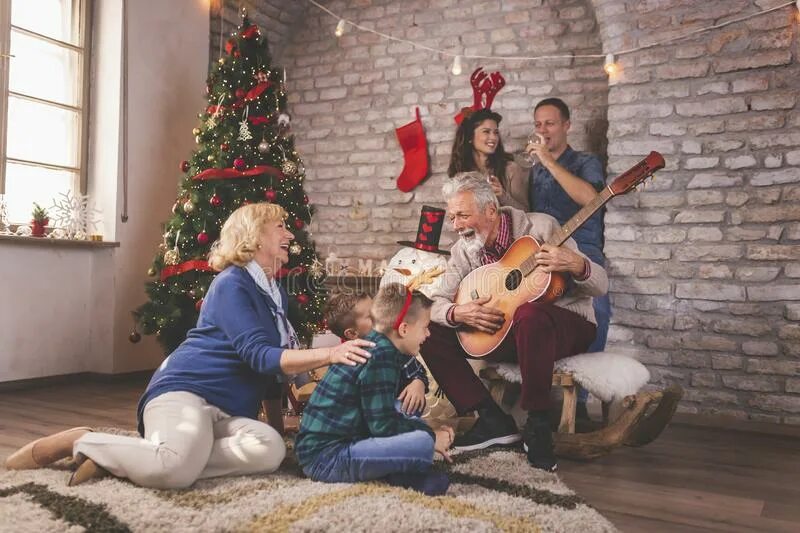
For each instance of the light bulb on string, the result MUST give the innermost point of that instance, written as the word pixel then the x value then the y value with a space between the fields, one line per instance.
pixel 456 69
pixel 610 66
pixel 339 28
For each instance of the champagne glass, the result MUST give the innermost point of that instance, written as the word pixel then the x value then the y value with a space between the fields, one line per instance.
pixel 525 159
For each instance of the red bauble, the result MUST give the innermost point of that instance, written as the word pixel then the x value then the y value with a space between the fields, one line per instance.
pixel 305 199
pixel 215 201
pixel 202 238
pixel 236 53
pixel 239 164
pixel 302 299
pixel 184 166
pixel 240 93
pixel 224 147
pixel 298 223
pixel 270 195
pixel 198 304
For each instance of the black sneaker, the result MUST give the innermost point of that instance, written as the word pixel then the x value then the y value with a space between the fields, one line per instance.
pixel 538 444
pixel 491 429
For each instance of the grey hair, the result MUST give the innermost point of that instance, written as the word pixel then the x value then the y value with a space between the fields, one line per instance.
pixel 474 182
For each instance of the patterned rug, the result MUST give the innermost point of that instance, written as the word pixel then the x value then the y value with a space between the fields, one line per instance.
pixel 491 490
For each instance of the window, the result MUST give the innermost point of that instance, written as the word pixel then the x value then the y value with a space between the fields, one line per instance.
pixel 44 59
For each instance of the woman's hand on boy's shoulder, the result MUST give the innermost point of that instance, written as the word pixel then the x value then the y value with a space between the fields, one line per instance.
pixel 350 353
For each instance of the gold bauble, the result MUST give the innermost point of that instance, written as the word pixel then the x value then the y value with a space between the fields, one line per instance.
pixel 151 272
pixel 289 168
pixel 172 257
pixel 295 248
pixel 196 131
pixel 211 158
pixel 188 206
pixel 221 60
pixel 198 139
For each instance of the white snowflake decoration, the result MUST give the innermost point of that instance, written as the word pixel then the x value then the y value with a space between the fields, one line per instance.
pixel 73 214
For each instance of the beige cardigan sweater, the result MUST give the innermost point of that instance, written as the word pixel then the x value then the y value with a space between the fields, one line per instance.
pixel 540 227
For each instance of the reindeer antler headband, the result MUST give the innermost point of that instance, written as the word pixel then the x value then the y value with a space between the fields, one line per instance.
pixel 484 88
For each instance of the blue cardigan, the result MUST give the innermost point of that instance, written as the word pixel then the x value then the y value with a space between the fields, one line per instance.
pixel 224 358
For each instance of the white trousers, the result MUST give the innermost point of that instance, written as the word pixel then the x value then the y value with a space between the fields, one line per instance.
pixel 186 439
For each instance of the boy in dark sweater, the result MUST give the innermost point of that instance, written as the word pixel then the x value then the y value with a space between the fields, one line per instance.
pixel 350 429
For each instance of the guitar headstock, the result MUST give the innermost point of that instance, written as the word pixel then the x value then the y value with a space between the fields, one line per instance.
pixel 637 174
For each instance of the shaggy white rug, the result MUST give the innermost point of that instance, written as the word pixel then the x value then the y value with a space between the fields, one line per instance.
pixel 491 490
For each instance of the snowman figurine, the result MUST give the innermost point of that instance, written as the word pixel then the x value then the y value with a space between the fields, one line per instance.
pixel 420 264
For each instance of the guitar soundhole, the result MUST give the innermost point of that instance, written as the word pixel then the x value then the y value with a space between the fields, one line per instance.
pixel 513 279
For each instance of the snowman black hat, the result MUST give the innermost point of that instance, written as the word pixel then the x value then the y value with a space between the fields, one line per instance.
pixel 431 221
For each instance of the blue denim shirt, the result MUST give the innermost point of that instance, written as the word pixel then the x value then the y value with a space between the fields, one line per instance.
pixel 547 196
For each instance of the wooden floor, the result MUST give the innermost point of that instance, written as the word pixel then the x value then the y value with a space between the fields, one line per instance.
pixel 690 479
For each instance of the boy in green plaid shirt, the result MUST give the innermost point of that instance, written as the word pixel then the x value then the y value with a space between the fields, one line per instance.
pixel 351 430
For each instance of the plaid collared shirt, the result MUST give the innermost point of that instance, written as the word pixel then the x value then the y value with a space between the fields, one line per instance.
pixel 354 403
pixel 492 254
pixel 412 370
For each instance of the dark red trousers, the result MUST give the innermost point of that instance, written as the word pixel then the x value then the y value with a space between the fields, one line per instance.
pixel 540 335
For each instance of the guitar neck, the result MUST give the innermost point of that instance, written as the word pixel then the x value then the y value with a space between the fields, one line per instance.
pixel 559 237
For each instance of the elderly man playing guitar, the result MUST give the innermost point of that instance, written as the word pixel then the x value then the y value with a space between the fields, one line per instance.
pixel 508 297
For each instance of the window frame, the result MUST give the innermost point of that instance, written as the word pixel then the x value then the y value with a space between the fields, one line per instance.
pixel 84 14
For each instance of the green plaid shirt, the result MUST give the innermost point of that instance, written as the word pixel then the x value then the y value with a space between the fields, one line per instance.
pixel 354 403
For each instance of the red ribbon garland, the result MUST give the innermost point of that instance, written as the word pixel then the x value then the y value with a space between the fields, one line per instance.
pixel 231 173
pixel 195 264
pixel 256 91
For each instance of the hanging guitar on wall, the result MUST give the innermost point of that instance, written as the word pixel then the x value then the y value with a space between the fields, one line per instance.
pixel 515 279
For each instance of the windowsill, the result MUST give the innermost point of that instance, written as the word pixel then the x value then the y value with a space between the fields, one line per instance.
pixel 47 242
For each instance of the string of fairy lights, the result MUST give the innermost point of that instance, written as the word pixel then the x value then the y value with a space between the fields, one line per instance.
pixel 610 64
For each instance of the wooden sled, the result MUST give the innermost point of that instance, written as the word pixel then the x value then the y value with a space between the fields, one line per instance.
pixel 644 416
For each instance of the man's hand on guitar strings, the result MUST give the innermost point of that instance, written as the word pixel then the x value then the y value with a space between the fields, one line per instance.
pixel 477 315
pixel 553 258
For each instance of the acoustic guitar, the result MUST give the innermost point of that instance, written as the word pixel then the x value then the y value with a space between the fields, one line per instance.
pixel 515 279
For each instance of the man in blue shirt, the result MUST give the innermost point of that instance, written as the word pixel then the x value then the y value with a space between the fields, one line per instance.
pixel 560 185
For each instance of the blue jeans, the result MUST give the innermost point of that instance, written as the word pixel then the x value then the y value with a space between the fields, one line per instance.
pixel 374 458
pixel 602 313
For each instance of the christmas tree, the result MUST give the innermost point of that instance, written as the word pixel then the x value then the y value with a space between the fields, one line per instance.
pixel 244 154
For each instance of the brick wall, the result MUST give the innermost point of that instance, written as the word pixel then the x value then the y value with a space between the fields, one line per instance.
pixel 704 262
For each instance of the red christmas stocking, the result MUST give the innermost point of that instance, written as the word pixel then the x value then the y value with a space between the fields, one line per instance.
pixel 415 151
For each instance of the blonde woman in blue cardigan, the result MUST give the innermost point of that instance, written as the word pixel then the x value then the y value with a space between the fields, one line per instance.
pixel 197 417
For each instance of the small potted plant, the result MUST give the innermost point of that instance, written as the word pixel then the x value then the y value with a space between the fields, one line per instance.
pixel 40 220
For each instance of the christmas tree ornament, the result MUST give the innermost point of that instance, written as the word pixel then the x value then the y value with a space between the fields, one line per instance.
pixel 224 147
pixel 289 168
pixel 284 120
pixel 188 206
pixel 198 305
pixel 244 130
pixel 295 249
pixel 415 152
pixel 134 337
pixel 221 60
pixel 184 166
pixel 198 139
pixel 211 158
pixel 172 257
pixel 270 195
pixel 239 164
pixel 316 269
pixel 302 298
pixel 261 76
pixel 305 199
pixel 202 238
pixel 298 223
pixel 263 147
pixel 215 200
pixel 151 272
pixel 196 131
